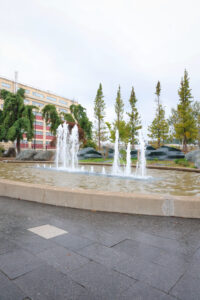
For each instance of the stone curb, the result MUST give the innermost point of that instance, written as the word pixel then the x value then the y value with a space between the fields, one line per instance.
pixel 145 204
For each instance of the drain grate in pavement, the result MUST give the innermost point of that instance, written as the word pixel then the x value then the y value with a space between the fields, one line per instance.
pixel 47 231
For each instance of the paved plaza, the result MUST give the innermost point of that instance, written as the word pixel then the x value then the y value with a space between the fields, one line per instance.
pixel 52 253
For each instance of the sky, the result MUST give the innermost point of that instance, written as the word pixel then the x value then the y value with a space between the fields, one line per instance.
pixel 70 46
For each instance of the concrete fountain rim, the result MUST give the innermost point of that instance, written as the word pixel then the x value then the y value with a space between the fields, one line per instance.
pixel 117 202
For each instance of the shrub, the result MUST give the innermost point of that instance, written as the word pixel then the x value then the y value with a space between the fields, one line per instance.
pixel 182 162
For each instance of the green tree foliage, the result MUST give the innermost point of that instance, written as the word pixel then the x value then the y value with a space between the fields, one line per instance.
pixel 196 113
pixel 119 108
pixel 16 118
pixel 99 114
pixel 124 131
pixel 78 113
pixel 51 116
pixel 159 127
pixel 134 118
pixel 185 126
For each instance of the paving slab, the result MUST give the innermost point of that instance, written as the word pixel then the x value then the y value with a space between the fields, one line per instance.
pixel 102 281
pixel 63 259
pixel 19 262
pixel 47 283
pixel 142 291
pixel 188 288
pixel 71 241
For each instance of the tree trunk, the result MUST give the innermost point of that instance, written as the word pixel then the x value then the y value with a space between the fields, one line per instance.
pixel 185 144
pixel 99 134
pixel 18 145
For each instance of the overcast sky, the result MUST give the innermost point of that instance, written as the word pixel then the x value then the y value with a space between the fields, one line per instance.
pixel 70 46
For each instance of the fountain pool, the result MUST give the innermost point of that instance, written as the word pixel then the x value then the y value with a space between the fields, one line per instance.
pixel 165 182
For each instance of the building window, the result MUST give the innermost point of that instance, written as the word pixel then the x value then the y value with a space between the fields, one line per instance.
pixel 4 84
pixel 51 98
pixel 48 133
pixel 27 91
pixel 63 102
pixel 38 132
pixel 37 95
pixel 37 104
pixel 26 101
pixel 63 110
pixel 39 123
pixel 37 113
pixel 2 106
pixel 39 142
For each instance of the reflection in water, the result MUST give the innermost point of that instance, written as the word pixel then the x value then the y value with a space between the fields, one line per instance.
pixel 164 182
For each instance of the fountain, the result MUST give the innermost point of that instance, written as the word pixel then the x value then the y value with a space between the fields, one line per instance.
pixel 67 147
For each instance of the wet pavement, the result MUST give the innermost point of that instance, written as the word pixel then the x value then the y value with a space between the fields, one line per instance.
pixel 55 253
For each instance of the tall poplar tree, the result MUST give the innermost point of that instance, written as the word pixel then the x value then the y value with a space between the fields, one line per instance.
pixel 134 123
pixel 99 114
pixel 16 118
pixel 196 113
pixel 185 126
pixel 119 108
pixel 159 127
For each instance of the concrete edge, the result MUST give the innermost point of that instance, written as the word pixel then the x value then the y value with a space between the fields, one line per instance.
pixel 144 204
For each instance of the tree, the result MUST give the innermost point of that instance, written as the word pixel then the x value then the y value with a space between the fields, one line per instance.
pixel 159 127
pixel 185 126
pixel 124 131
pixel 16 119
pixel 196 113
pixel 99 114
pixel 135 123
pixel 51 116
pixel 78 113
pixel 119 108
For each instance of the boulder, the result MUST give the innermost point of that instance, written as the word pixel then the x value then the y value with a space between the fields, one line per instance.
pixel 11 152
pixel 26 155
pixel 197 163
pixel 148 147
pixel 43 155
pixel 193 155
pixel 89 152
pixel 134 153
pixel 169 149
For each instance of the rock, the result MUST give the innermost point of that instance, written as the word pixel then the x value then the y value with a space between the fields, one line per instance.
pixel 26 155
pixel 167 149
pixel 193 155
pixel 89 152
pixel 92 155
pixel 197 163
pixel 148 147
pixel 134 153
pixel 11 152
pixel 44 155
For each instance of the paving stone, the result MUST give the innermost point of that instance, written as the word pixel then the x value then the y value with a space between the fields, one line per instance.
pixel 17 263
pixel 103 255
pixel 32 242
pixel 47 231
pixel 46 283
pixel 101 281
pixel 142 291
pixel 7 245
pixel 62 259
pixel 98 236
pixel 11 292
pixel 137 249
pixel 72 242
pixel 166 244
pixel 188 288
pixel 157 276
